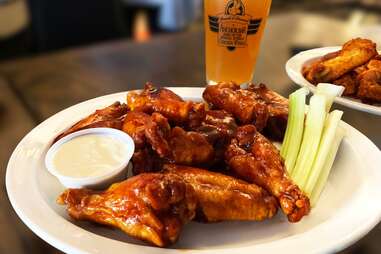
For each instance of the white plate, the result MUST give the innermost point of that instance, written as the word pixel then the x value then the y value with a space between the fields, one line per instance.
pixel 294 70
pixel 348 208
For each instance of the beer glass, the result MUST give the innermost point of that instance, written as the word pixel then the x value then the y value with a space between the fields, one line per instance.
pixel 233 31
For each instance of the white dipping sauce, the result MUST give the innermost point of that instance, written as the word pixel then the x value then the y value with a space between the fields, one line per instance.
pixel 89 155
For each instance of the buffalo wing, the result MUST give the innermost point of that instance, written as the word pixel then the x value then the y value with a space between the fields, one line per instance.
pixel 144 129
pixel 152 207
pixel 190 148
pixel 370 81
pixel 167 103
pixel 277 106
pixel 221 197
pixel 110 117
pixel 255 159
pixel 334 65
pixel 239 102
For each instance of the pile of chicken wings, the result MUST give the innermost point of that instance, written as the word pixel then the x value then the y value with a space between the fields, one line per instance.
pixel 356 67
pixel 206 161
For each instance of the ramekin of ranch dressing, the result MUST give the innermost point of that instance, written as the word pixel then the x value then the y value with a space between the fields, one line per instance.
pixel 92 158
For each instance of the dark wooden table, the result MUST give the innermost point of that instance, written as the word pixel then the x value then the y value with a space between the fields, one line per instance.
pixel 33 89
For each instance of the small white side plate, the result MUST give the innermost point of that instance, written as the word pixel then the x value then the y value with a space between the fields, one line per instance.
pixel 348 209
pixel 294 70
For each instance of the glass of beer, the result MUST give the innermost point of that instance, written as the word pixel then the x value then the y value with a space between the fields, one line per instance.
pixel 233 31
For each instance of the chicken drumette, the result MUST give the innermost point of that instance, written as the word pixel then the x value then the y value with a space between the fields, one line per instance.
pixel 255 159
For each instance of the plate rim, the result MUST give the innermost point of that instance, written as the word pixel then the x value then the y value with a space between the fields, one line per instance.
pixel 63 245
pixel 293 68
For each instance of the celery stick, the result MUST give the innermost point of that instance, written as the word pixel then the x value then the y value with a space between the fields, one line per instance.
pixel 311 138
pixel 296 102
pixel 286 141
pixel 329 132
pixel 330 91
pixel 295 126
pixel 340 133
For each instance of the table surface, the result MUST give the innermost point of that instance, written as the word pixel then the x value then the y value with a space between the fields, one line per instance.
pixel 33 89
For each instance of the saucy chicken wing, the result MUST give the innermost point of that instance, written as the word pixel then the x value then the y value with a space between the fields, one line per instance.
pixel 255 159
pixel 370 86
pixel 144 129
pixel 370 81
pixel 151 207
pixel 277 106
pixel 239 102
pixel 363 81
pixel 218 127
pixel 110 117
pixel 221 197
pixel 146 160
pixel 349 82
pixel 167 103
pixel 190 148
pixel 354 53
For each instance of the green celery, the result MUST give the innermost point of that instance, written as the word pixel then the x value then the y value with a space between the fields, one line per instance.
pixel 329 132
pixel 321 182
pixel 311 138
pixel 295 126
pixel 330 91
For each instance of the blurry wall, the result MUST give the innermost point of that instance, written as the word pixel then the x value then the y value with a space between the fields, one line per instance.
pixel 173 15
pixel 61 23
pixel 45 25
pixel 14 21
pixel 13 17
pixel 38 26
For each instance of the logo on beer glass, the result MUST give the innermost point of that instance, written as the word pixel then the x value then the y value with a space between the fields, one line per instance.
pixel 233 26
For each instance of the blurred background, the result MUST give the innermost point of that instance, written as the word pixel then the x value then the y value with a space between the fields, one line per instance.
pixel 31 27
pixel 55 53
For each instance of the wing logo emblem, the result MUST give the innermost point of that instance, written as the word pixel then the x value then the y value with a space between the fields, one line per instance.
pixel 233 26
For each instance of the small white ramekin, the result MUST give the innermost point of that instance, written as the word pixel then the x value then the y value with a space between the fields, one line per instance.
pixel 94 182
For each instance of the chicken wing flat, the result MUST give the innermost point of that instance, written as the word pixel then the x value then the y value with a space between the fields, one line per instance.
pixel 167 103
pixel 147 160
pixel 134 125
pixel 349 82
pixel 221 197
pixel 156 143
pixel 277 106
pixel 239 102
pixel 150 134
pixel 222 122
pixel 370 81
pixel 190 148
pixel 218 127
pixel 110 117
pixel 151 207
pixel 353 54
pixel 255 159
pixel 144 129
pixel 316 61
pixel 370 86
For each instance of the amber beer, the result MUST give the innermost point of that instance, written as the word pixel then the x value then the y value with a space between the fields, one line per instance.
pixel 233 31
